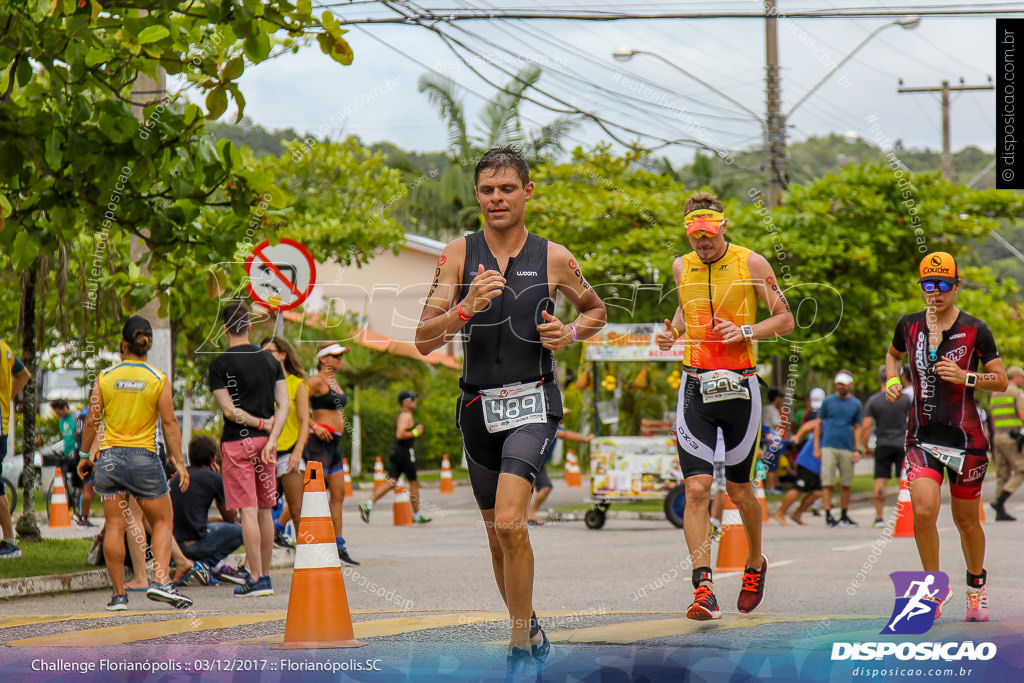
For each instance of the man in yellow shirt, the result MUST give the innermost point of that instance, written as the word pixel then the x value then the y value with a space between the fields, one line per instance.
pixel 13 377
pixel 719 284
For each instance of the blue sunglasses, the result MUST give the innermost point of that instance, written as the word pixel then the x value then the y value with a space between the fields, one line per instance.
pixel 932 285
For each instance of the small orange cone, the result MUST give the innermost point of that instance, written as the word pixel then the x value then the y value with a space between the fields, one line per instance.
pixel 447 485
pixel 759 494
pixel 572 471
pixel 402 506
pixel 904 511
pixel 380 480
pixel 318 614
pixel 348 478
pixel 732 549
pixel 981 511
pixel 60 516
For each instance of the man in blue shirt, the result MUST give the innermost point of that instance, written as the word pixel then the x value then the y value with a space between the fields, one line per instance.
pixel 837 444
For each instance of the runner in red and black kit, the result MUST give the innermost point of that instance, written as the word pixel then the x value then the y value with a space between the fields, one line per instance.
pixel 495 288
pixel 944 433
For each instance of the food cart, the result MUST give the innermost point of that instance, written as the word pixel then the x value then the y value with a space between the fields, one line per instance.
pixel 631 468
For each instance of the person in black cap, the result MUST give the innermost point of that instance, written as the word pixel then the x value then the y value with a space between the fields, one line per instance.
pixel 401 459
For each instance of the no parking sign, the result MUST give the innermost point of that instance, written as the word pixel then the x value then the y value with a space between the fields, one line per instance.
pixel 281 276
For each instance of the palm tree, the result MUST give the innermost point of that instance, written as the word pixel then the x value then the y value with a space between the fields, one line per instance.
pixel 444 206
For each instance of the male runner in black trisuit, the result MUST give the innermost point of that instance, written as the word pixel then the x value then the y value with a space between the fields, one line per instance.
pixel 498 287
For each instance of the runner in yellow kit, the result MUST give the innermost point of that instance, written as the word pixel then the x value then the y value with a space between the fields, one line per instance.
pixel 719 284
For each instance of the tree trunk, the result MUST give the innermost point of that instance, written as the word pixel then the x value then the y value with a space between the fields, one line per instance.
pixel 28 525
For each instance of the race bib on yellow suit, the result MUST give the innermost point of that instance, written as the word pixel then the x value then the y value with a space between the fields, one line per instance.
pixel 130 392
pixel 722 289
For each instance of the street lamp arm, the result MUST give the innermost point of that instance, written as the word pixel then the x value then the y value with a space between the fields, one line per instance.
pixel 905 23
pixel 704 83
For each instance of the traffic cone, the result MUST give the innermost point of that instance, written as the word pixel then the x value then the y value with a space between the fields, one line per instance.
pixel 60 516
pixel 380 480
pixel 348 478
pixel 732 549
pixel 904 511
pixel 318 614
pixel 402 507
pixel 572 471
pixel 759 494
pixel 447 485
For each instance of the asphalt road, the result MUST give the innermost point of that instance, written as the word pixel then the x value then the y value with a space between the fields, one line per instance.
pixel 424 598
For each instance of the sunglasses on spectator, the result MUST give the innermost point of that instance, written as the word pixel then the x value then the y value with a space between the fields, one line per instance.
pixel 932 285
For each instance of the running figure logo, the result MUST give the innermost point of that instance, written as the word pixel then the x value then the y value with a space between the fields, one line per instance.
pixel 918 595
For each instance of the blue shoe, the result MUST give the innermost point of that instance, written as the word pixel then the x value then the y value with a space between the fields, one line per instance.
pixel 541 652
pixel 255 589
pixel 520 665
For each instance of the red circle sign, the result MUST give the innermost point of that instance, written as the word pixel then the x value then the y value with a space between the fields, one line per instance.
pixel 281 276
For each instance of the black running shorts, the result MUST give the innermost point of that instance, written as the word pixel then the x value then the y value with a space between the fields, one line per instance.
pixel 400 462
pixel 518 451
pixel 889 461
pixel 697 426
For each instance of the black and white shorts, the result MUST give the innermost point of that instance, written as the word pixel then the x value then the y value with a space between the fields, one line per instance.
pixel 698 424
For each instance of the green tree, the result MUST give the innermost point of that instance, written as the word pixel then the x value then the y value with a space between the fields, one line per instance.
pixel 74 158
pixel 444 206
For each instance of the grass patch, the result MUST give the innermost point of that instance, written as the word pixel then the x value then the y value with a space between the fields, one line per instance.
pixel 51 556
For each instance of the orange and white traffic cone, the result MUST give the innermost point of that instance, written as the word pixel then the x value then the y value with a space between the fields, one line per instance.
pixel 759 494
pixel 402 507
pixel 732 549
pixel 447 485
pixel 380 480
pixel 318 614
pixel 572 471
pixel 60 516
pixel 348 478
pixel 904 511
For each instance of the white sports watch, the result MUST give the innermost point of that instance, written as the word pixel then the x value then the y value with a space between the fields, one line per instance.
pixel 971 379
pixel 747 331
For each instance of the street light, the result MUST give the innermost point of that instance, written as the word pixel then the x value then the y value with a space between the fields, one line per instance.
pixel 624 53
pixel 907 22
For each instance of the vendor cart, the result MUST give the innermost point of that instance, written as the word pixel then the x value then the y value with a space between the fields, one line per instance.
pixel 631 468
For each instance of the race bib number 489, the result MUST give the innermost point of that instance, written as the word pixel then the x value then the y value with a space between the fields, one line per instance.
pixel 512 406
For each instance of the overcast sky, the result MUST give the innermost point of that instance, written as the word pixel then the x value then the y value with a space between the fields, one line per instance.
pixel 376 97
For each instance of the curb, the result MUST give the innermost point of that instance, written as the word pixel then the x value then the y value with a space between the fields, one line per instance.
pixel 94 579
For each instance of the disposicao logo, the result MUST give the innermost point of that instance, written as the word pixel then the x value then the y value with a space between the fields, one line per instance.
pixel 918 595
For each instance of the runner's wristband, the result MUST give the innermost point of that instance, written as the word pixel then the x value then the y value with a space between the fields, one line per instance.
pixel 462 316
pixel 573 326
pixel 893 381
pixel 676 330
pixel 415 432
pixel 260 425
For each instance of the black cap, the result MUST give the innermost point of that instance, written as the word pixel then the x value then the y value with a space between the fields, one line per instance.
pixel 134 324
pixel 405 396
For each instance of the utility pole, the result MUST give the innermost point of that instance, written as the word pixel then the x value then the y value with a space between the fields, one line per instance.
pixel 146 91
pixel 775 122
pixel 945 89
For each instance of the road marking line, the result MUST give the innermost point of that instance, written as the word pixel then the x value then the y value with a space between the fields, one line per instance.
pixel 129 633
pixel 32 619
pixel 632 632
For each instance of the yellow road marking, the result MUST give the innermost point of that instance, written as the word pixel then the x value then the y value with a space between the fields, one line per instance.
pixel 129 633
pixel 380 628
pixel 634 631
pixel 30 619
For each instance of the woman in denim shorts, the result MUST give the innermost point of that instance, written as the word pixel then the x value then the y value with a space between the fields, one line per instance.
pixel 128 399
